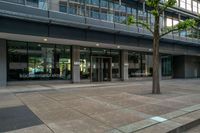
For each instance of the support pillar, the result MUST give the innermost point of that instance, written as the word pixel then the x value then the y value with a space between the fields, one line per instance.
pixel 75 64
pixel 3 63
pixel 124 65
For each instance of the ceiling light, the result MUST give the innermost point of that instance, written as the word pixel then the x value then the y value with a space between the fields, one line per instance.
pixel 45 39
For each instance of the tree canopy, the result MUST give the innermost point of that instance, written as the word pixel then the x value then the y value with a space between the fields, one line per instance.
pixel 157 7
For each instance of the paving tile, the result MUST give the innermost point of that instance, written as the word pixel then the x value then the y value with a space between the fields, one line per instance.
pixel 43 106
pixel 83 125
pixel 119 117
pixel 194 114
pixel 145 99
pixel 113 131
pixel 33 129
pixel 153 109
pixel 160 128
pixel 60 95
pixel 95 108
pixel 117 97
pixel 192 108
pixel 76 102
pixel 183 120
pixel 18 117
pixel 174 114
pixel 128 103
pixel 137 126
pixel 172 104
pixel 9 100
pixel 65 114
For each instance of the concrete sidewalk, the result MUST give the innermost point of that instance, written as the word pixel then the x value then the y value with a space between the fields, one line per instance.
pixel 100 108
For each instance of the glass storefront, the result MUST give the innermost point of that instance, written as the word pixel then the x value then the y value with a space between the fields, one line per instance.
pixel 115 54
pixel 35 61
pixel 86 55
pixel 166 65
pixel 140 64
pixel 85 58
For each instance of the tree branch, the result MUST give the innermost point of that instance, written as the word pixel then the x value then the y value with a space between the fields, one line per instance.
pixel 169 31
pixel 167 4
pixel 146 25
pixel 131 20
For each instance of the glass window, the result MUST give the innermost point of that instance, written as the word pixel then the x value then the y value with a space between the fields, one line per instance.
pixel 195 6
pixel 43 4
pixel 33 3
pixel 104 3
pixel 85 63
pixel 17 60
pixel 177 2
pixel 94 2
pixel 15 1
pixel 147 66
pixel 115 54
pixel 62 61
pixel 199 7
pixel 135 63
pixel 183 4
pixel 49 61
pixel 189 5
pixel 63 8
pixel 76 8
pixel 166 65
pixel 169 22
pixel 175 22
pixel 40 61
pixel 140 64
pixel 100 52
pixel 35 61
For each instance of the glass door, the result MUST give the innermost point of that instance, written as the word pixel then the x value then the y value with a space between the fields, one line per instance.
pixel 101 69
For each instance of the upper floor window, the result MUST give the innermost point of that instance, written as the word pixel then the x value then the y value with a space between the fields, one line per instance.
pixel 195 8
pixel 33 3
pixel 199 7
pixel 182 3
pixel 189 5
pixel 16 1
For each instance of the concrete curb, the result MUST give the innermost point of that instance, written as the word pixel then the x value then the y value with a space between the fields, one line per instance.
pixel 186 126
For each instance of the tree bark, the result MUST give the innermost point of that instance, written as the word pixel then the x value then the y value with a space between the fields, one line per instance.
pixel 156 57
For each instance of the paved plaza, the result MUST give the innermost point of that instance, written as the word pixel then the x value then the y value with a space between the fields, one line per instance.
pixel 121 107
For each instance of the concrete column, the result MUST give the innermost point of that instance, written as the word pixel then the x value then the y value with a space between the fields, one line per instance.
pixel 3 63
pixel 124 65
pixel 75 64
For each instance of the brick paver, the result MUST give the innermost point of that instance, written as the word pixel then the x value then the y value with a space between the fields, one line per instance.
pixel 121 107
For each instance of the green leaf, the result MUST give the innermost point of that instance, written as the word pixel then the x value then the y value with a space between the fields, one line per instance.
pixel 152 3
pixel 130 20
pixel 154 12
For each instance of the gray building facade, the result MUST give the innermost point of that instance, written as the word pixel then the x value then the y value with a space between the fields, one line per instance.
pixel 89 41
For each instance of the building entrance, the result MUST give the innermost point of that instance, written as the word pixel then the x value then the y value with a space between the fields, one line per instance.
pixel 101 69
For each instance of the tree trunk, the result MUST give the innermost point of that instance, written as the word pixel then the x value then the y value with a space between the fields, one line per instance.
pixel 156 57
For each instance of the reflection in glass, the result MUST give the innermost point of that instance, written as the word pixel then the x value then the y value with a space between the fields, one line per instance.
pixel 35 61
pixel 85 63
pixel 134 61
pixel 17 60
pixel 115 54
pixel 166 65
pixel 140 64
